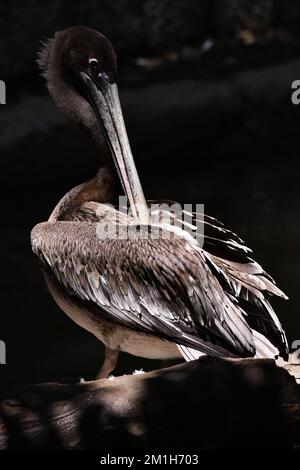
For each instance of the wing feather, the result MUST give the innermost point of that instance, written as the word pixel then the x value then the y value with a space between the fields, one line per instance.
pixel 162 286
pixel 210 299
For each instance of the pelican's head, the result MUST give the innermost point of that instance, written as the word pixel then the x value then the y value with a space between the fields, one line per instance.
pixel 80 68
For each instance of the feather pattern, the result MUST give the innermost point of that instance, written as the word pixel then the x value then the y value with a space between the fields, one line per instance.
pixel 168 286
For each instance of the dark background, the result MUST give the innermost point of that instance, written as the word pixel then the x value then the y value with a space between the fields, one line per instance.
pixel 206 92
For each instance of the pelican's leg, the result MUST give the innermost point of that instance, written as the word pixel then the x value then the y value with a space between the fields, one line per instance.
pixel 109 364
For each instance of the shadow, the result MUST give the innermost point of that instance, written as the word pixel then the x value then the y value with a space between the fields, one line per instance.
pixel 217 405
pixel 204 405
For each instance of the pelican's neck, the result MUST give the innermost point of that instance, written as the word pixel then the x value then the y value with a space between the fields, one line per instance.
pixel 99 189
pixel 78 110
pixel 69 101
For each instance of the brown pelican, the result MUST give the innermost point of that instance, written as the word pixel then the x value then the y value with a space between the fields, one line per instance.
pixel 158 297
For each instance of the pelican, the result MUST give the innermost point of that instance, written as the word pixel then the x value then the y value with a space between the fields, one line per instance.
pixel 160 297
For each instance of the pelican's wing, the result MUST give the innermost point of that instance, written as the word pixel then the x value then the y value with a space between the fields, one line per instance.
pixel 228 258
pixel 240 276
pixel 250 285
pixel 161 286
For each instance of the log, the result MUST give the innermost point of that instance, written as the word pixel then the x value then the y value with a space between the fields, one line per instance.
pixel 211 403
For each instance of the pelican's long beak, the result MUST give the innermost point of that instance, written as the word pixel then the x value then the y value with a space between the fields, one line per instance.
pixel 104 98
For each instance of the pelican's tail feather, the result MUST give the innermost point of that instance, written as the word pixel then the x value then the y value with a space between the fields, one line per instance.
pixel 264 348
pixel 189 354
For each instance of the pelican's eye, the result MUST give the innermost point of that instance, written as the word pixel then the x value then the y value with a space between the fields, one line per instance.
pixel 94 63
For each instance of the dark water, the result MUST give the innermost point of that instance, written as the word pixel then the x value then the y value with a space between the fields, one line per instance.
pixel 229 139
